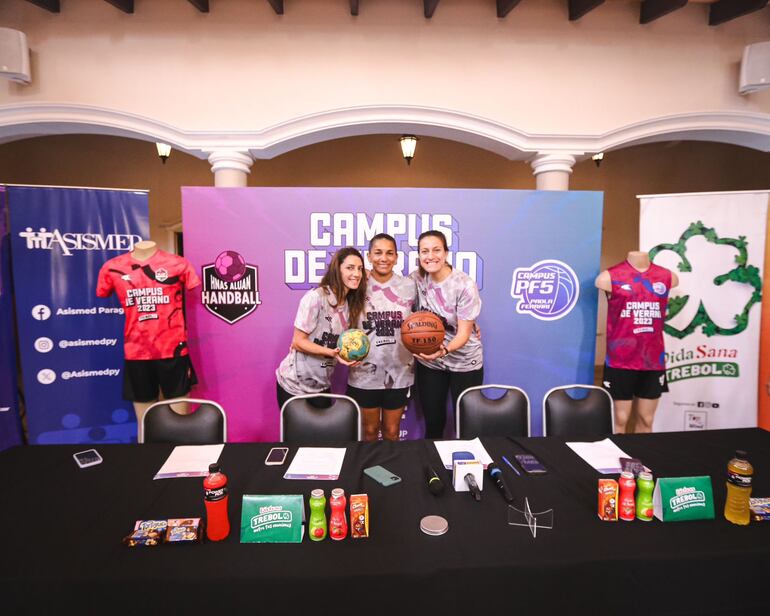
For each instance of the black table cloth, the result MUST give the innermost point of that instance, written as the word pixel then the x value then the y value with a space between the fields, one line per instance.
pixel 62 530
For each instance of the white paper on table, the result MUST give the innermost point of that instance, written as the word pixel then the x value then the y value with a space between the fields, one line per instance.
pixel 604 455
pixel 189 461
pixel 447 448
pixel 316 463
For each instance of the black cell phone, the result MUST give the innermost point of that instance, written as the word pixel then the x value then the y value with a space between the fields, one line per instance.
pixel 530 463
pixel 89 457
pixel 276 456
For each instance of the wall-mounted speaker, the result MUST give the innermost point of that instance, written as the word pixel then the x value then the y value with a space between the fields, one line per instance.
pixel 755 68
pixel 14 55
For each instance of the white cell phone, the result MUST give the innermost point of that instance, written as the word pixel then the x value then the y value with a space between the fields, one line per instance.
pixel 89 457
pixel 276 456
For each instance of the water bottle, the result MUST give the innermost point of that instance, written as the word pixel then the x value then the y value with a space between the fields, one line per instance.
pixel 317 523
pixel 215 497
pixel 338 522
pixel 645 486
pixel 739 472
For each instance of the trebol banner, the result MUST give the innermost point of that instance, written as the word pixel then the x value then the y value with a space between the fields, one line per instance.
pixel 71 343
pixel 534 256
pixel 715 242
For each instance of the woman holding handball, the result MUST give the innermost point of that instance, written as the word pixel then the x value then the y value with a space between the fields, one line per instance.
pixel 380 383
pixel 323 314
pixel 458 364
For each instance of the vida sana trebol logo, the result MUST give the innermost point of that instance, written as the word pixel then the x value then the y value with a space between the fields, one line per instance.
pixel 714 360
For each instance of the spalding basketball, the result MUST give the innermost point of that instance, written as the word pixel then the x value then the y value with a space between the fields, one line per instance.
pixel 422 332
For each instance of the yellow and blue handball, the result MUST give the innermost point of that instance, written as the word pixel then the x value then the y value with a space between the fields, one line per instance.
pixel 353 345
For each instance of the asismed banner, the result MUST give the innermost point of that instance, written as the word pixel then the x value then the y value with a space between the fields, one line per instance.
pixel 10 424
pixel 715 242
pixel 71 342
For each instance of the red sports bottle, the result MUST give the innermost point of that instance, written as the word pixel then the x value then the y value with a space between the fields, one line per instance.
pixel 338 522
pixel 215 486
pixel 627 509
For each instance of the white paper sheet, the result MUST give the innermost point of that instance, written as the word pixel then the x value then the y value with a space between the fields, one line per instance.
pixel 447 448
pixel 604 455
pixel 189 461
pixel 316 463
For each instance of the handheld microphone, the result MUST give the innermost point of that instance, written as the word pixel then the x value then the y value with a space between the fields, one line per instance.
pixel 473 486
pixel 497 476
pixel 435 485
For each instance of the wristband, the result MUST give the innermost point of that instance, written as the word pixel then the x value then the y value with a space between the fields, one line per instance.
pixel 446 350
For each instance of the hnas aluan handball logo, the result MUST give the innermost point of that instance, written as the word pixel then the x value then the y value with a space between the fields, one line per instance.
pixel 547 291
pixel 230 287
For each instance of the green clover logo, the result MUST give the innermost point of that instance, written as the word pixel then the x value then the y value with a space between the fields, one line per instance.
pixel 742 273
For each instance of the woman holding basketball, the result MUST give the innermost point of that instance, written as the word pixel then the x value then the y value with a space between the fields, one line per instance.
pixel 380 383
pixel 323 314
pixel 458 364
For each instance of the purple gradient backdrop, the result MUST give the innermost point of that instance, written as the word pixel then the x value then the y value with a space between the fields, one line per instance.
pixel 507 229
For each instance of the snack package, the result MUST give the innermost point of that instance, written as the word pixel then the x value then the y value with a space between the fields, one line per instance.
pixel 608 500
pixel 147 533
pixel 183 530
pixel 359 516
pixel 760 509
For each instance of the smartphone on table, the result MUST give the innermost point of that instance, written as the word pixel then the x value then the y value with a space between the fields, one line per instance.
pixel 277 456
pixel 382 475
pixel 89 457
pixel 530 464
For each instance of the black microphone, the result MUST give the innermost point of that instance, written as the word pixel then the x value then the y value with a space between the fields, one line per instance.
pixel 435 485
pixel 473 487
pixel 497 476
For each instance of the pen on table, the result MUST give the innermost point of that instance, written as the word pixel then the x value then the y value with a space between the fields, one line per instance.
pixel 513 468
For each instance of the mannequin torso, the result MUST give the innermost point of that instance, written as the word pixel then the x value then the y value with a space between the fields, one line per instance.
pixel 144 250
pixel 638 260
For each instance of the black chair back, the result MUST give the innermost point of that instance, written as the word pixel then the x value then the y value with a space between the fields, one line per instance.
pixel 205 425
pixel 478 415
pixel 304 422
pixel 587 418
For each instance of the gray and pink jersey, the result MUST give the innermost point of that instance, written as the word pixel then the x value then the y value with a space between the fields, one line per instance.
pixel 454 299
pixel 388 365
pixel 301 373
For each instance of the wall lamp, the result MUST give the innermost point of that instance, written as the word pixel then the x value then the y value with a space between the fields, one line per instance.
pixel 597 158
pixel 408 145
pixel 164 151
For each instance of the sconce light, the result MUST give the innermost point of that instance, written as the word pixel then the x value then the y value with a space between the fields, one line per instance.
pixel 164 151
pixel 408 145
pixel 597 158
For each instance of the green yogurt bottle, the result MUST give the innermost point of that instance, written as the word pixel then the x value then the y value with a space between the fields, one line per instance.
pixel 317 523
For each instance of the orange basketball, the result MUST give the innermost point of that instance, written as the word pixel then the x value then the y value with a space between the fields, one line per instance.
pixel 422 332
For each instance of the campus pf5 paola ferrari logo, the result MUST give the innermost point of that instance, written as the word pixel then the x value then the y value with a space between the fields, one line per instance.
pixel 548 290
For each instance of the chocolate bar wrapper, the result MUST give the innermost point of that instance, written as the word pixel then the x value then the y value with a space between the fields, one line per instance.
pixel 184 530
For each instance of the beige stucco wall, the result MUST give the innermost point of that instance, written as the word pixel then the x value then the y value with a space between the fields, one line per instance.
pixel 243 68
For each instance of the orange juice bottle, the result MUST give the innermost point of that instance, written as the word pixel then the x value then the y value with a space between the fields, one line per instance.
pixel 739 472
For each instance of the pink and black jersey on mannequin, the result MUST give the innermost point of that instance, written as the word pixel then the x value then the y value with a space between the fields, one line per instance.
pixel 152 294
pixel 636 310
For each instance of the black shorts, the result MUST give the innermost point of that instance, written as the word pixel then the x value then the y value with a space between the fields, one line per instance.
pixel 625 384
pixel 143 379
pixel 388 399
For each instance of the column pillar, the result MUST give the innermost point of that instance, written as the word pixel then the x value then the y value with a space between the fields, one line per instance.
pixel 230 167
pixel 552 170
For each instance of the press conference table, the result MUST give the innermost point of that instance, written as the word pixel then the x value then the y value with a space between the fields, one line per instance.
pixel 62 527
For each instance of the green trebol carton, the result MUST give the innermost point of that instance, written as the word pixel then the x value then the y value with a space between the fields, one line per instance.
pixel 678 499
pixel 272 518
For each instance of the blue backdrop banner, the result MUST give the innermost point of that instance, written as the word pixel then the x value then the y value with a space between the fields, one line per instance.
pixel 71 344
pixel 10 426
pixel 533 254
